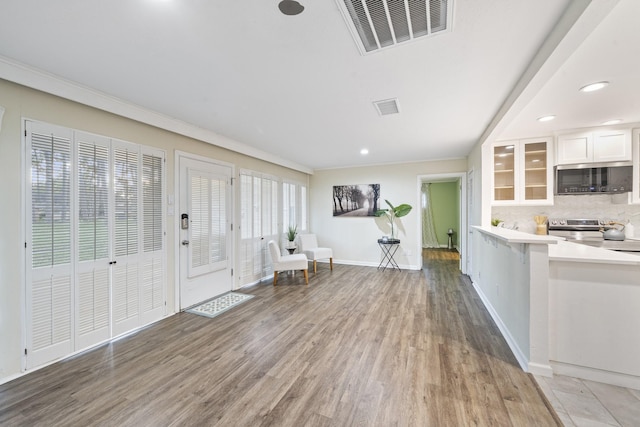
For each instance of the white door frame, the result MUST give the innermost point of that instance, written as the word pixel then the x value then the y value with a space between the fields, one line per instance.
pixel 175 204
pixel 461 177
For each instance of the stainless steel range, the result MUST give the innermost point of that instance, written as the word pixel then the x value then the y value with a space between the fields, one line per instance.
pixel 590 232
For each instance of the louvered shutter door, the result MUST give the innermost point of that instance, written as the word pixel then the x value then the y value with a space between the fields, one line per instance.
pixel 126 224
pixel 49 281
pixel 93 269
pixel 80 187
pixel 258 224
pixel 153 297
pixel 269 223
pixel 246 229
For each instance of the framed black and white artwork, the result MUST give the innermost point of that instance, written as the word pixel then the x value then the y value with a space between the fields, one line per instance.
pixel 356 200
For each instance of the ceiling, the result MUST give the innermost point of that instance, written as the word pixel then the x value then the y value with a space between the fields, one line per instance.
pixel 247 77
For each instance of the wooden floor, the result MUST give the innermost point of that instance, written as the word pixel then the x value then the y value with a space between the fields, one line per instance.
pixel 357 346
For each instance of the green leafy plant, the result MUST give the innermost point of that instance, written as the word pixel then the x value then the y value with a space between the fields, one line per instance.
pixel 393 212
pixel 495 221
pixel 292 232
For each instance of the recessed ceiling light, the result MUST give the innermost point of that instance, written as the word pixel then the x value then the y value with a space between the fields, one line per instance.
pixel 612 122
pixel 546 118
pixel 593 86
pixel 364 151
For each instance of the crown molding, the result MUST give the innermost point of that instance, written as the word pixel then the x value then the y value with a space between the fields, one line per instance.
pixel 34 78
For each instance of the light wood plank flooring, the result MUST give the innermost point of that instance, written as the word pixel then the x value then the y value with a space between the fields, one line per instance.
pixel 357 346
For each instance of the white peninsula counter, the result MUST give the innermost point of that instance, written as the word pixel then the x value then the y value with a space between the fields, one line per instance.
pixel 594 309
pixel 563 307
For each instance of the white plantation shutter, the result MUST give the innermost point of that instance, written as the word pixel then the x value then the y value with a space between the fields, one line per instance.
pixel 93 301
pixel 152 304
pixel 126 224
pixel 50 202
pixel 218 220
pixel 258 224
pixel 208 222
pixel 49 276
pixel 93 268
pixel 125 182
pixel 93 200
pixel 96 261
pixel 199 217
pixel 294 209
pixel 51 312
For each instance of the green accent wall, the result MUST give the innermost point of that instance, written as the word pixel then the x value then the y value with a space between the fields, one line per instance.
pixel 445 202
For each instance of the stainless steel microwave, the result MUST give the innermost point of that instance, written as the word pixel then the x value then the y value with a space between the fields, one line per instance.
pixel 590 178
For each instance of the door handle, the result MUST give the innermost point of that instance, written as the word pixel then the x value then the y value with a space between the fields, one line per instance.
pixel 185 242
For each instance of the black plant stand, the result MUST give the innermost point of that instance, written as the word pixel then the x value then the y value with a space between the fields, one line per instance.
pixel 389 248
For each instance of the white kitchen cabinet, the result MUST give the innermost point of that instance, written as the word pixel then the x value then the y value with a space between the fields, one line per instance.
pixel 522 173
pixel 594 147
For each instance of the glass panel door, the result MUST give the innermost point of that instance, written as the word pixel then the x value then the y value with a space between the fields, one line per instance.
pixel 503 172
pixel 535 171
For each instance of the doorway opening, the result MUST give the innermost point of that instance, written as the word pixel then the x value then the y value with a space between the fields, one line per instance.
pixel 443 214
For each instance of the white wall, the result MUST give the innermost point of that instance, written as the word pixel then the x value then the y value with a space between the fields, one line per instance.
pixel 503 283
pixel 21 102
pixel 354 240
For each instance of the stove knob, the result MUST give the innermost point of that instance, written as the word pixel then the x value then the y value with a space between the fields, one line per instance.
pixel 563 222
pixel 554 222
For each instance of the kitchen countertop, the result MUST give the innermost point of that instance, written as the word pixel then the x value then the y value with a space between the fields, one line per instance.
pixel 562 250
pixel 575 252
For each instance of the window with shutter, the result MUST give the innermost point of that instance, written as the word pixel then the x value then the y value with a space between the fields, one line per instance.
pixel 126 236
pixel 93 272
pixel 294 206
pixel 49 278
pixel 153 296
pixel 96 264
pixel 258 223
pixel 208 222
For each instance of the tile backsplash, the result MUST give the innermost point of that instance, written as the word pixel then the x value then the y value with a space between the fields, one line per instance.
pixel 578 206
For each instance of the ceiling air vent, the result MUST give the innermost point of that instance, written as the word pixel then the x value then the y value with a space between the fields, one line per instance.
pixel 378 24
pixel 387 106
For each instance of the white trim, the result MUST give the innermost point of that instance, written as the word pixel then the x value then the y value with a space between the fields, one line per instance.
pixel 25 75
pixel 461 178
pixel 23 236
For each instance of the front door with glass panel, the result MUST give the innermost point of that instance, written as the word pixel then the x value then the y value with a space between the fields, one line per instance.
pixel 205 237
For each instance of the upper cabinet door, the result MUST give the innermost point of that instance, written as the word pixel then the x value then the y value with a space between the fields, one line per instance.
pixel 612 146
pixel 504 166
pixel 576 148
pixel 594 147
pixel 537 171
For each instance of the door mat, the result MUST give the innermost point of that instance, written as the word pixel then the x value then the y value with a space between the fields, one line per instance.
pixel 219 304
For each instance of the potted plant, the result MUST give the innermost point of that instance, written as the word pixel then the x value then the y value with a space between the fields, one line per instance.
pixel 292 232
pixel 392 213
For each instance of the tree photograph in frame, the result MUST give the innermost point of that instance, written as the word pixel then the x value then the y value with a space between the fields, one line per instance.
pixel 356 200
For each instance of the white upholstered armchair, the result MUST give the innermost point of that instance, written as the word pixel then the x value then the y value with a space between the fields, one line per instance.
pixel 287 262
pixel 309 247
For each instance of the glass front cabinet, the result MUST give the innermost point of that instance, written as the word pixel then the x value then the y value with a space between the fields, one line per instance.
pixel 523 172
